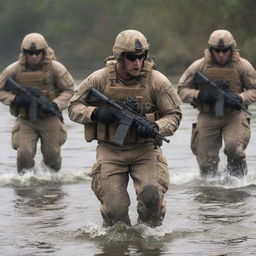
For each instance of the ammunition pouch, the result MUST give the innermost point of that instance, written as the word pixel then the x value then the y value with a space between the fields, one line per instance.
pixel 23 112
pixel 209 108
pixel 102 132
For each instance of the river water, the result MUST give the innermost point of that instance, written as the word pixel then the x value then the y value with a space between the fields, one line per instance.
pixel 57 214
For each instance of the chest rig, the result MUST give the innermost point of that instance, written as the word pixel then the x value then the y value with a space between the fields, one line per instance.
pixel 137 89
pixel 40 80
pixel 229 73
pixel 116 90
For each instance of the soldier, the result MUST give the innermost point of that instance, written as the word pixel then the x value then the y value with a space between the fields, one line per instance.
pixel 129 73
pixel 221 63
pixel 38 69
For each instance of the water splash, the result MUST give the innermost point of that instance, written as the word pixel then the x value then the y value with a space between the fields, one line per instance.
pixel 42 176
pixel 183 177
pixel 122 233
pixel 192 178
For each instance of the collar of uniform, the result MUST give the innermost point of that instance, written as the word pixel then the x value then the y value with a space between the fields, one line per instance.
pixel 125 82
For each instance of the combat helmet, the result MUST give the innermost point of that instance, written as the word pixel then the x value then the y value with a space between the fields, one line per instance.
pixel 129 41
pixel 222 39
pixel 33 41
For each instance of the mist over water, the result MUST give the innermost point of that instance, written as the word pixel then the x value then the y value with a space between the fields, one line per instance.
pixel 44 213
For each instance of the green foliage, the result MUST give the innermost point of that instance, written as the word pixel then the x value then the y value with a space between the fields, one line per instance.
pixel 82 32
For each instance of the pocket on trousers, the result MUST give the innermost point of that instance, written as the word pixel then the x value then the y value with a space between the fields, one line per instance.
pixel 194 138
pixel 246 132
pixel 96 183
pixel 62 134
pixel 163 177
pixel 15 136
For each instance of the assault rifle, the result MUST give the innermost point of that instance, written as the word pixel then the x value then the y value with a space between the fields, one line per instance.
pixel 37 100
pixel 219 92
pixel 128 116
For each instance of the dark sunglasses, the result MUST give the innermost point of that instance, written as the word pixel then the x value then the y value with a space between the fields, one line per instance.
pixel 218 50
pixel 35 52
pixel 133 57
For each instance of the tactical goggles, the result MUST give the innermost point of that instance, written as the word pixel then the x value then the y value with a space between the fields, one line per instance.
pixel 33 52
pixel 218 50
pixel 133 57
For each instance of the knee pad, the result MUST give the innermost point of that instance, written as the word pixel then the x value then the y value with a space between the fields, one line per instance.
pixel 150 197
pixel 149 206
pixel 52 160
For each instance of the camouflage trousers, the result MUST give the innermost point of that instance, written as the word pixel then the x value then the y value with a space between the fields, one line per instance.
pixel 210 132
pixel 25 136
pixel 110 175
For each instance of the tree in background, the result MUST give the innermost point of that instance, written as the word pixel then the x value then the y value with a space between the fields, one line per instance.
pixel 82 31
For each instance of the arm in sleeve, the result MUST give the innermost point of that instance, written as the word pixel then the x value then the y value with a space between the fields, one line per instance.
pixel 186 90
pixel 6 97
pixel 168 105
pixel 79 111
pixel 64 85
pixel 248 77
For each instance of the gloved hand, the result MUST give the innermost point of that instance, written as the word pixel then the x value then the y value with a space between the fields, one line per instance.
pixel 105 115
pixel 22 100
pixel 206 97
pixel 47 109
pixel 143 132
pixel 232 104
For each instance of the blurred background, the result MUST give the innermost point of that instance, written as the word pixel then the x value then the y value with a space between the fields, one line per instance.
pixel 82 32
pixel 57 214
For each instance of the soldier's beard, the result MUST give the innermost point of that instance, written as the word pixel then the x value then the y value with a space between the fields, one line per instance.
pixel 36 66
pixel 133 74
pixel 128 73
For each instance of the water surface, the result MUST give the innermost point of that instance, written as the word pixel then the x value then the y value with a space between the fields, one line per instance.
pixel 57 214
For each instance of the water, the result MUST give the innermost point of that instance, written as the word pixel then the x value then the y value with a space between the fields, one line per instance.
pixel 58 214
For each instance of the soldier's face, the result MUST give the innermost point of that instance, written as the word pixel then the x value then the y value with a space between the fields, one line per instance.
pixel 34 57
pixel 134 62
pixel 221 55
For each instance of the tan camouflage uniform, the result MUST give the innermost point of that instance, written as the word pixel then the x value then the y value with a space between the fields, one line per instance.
pixel 233 126
pixel 56 84
pixel 138 157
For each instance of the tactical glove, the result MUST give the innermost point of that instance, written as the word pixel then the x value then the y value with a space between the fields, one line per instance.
pixel 236 104
pixel 105 115
pixel 48 108
pixel 206 97
pixel 22 100
pixel 144 132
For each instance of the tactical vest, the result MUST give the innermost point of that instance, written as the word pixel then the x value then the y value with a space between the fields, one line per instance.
pixel 229 73
pixel 40 80
pixel 139 91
